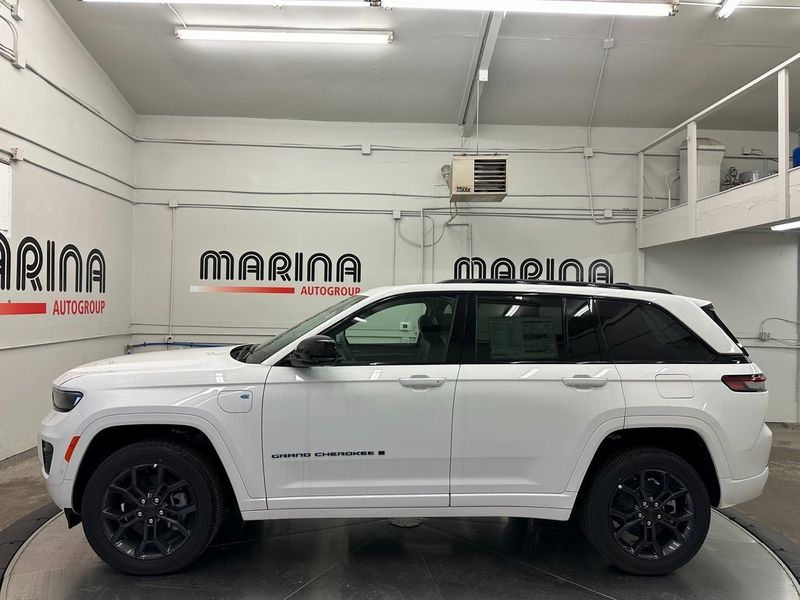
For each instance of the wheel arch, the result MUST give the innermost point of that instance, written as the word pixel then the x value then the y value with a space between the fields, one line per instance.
pixel 685 442
pixel 109 439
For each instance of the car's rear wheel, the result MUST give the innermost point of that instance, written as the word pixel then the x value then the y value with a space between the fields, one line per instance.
pixel 152 507
pixel 647 511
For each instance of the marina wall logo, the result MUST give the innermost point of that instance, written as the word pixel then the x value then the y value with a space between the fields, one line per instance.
pixel 570 269
pixel 34 267
pixel 244 274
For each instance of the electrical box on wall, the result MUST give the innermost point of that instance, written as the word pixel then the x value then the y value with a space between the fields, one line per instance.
pixel 478 178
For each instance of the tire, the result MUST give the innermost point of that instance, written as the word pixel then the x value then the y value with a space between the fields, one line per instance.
pixel 152 507
pixel 673 503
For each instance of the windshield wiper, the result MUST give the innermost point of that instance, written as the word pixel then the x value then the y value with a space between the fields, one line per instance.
pixel 245 352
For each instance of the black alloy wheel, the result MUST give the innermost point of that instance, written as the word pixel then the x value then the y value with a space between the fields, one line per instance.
pixel 152 507
pixel 652 514
pixel 148 511
pixel 646 510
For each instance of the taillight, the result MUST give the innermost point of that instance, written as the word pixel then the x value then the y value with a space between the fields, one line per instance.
pixel 746 383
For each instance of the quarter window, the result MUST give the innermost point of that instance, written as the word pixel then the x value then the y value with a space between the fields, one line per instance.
pixel 636 332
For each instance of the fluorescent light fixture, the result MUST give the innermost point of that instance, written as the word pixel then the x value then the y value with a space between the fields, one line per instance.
pixel 583 310
pixel 576 7
pixel 275 3
pixel 307 36
pixel 786 226
pixel 727 8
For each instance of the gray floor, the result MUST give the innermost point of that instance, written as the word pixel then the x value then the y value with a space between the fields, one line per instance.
pixel 442 558
pixel 777 507
pixel 21 487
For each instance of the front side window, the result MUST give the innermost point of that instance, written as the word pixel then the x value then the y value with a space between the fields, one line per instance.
pixel 637 332
pixel 511 329
pixel 401 331
pixel 256 354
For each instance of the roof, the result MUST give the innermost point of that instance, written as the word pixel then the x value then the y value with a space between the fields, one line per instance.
pixel 617 286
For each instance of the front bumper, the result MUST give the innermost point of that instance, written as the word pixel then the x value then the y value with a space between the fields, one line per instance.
pixel 57 429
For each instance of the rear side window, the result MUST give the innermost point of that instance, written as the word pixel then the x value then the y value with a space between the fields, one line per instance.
pixel 636 332
pixel 528 328
pixel 519 329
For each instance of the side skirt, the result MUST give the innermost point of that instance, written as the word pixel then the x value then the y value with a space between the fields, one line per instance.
pixel 552 514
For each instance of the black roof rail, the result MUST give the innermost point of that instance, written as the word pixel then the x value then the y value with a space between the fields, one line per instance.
pixel 614 286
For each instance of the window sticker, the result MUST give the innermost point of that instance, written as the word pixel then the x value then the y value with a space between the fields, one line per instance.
pixel 522 338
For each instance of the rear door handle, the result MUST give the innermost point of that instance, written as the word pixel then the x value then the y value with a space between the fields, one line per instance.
pixel 585 381
pixel 421 382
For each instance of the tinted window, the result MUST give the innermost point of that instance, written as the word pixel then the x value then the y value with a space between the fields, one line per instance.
pixel 513 328
pixel 402 331
pixel 583 327
pixel 260 353
pixel 636 332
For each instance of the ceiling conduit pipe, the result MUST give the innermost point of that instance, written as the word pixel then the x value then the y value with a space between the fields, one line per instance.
pixel 14 7
pixel 608 43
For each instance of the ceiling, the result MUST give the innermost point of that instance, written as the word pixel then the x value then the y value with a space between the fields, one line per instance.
pixel 544 69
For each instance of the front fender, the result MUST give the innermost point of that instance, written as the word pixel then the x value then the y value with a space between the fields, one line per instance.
pixel 237 481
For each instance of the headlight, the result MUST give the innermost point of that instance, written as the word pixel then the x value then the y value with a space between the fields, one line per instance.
pixel 65 400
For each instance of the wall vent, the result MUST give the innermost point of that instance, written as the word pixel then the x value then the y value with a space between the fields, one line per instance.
pixel 478 178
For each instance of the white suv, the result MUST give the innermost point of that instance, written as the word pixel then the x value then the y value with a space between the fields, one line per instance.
pixel 632 408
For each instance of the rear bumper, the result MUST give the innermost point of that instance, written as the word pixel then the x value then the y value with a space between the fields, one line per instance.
pixel 737 491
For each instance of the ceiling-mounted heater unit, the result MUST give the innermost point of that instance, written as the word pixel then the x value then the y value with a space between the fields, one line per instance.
pixel 478 178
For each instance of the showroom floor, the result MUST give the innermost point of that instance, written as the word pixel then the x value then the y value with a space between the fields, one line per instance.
pixel 442 558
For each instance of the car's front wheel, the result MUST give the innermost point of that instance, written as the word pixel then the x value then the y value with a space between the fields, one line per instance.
pixel 647 511
pixel 152 507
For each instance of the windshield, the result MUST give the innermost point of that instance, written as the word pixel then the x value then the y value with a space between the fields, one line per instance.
pixel 258 353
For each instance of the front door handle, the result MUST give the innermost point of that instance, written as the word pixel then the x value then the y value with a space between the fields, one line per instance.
pixel 421 382
pixel 585 381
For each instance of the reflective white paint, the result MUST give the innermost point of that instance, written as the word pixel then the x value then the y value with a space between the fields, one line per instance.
pixel 502 439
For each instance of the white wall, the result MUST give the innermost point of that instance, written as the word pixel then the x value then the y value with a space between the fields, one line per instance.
pixel 229 197
pixel 749 277
pixel 322 195
pixel 47 206
pixel 245 198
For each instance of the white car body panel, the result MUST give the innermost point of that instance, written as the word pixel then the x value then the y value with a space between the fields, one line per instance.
pixel 358 409
pixel 519 440
pixel 518 429
pixel 176 388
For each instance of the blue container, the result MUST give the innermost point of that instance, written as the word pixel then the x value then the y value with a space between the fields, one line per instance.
pixel 796 157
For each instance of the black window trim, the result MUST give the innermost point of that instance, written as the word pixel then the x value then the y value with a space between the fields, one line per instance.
pixel 454 350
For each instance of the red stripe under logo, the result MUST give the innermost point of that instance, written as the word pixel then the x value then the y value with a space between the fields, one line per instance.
pixel 23 308
pixel 241 289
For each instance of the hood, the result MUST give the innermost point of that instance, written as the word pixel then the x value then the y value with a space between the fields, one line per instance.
pixel 191 360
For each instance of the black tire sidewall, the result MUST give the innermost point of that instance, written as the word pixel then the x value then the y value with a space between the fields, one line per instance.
pixel 605 486
pixel 180 461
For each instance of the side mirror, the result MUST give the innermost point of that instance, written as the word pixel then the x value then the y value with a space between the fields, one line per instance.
pixel 315 351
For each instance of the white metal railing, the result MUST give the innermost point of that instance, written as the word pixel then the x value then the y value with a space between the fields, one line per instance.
pixel 781 72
